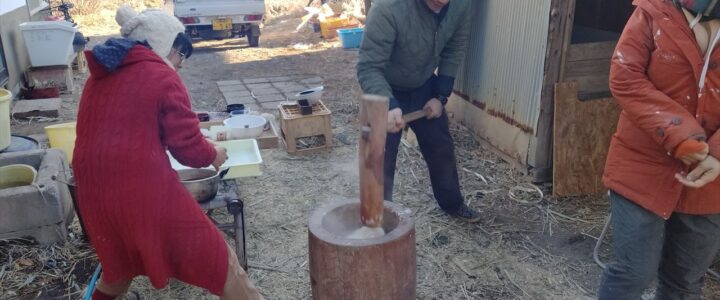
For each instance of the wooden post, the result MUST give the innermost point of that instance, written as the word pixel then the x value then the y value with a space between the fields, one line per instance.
pixel 559 34
pixel 371 155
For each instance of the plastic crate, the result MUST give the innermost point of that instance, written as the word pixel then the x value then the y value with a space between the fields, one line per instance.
pixel 327 27
pixel 351 38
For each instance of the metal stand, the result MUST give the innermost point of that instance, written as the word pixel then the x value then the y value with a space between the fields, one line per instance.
pixel 236 228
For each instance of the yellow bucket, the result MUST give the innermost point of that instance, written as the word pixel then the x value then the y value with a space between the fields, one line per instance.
pixel 16 175
pixel 62 136
pixel 5 97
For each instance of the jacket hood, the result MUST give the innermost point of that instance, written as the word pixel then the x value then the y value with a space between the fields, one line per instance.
pixel 116 53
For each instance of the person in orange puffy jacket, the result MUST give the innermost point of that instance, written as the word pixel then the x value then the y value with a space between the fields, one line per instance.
pixel 662 165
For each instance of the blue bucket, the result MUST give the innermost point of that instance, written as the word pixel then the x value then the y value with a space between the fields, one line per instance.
pixel 350 38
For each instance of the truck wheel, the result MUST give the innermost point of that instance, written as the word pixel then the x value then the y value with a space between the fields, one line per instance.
pixel 253 36
pixel 253 40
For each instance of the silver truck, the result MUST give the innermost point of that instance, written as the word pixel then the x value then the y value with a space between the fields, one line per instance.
pixel 220 19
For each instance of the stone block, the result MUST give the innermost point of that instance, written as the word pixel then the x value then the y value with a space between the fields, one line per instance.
pixel 271 105
pixel 229 82
pixel 235 94
pixel 262 92
pixel 240 100
pixel 41 211
pixel 232 88
pixel 279 78
pixel 312 81
pixel 259 86
pixel 48 108
pixel 256 80
pixel 292 89
pixel 270 98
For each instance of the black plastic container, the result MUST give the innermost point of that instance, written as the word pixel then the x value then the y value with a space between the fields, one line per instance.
pixel 305 107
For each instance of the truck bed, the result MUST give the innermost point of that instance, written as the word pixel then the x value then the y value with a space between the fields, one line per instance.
pixel 218 8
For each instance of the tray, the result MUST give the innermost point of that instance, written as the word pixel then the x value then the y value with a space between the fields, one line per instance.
pixel 243 159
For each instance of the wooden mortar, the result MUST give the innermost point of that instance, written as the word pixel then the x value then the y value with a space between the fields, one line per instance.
pixel 374 268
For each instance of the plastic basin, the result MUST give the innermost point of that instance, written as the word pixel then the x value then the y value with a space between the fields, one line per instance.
pixel 17 175
pixel 351 38
pixel 245 126
pixel 5 97
pixel 62 136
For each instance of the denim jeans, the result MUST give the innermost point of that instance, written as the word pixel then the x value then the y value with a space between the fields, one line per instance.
pixel 677 252
pixel 436 146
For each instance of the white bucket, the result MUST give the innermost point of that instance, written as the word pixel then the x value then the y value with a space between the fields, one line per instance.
pixel 49 43
pixel 5 97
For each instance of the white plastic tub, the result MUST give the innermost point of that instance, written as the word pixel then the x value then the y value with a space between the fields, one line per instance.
pixel 49 43
pixel 5 97
pixel 243 159
pixel 245 126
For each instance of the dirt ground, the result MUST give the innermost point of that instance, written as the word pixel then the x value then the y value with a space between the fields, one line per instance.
pixel 521 249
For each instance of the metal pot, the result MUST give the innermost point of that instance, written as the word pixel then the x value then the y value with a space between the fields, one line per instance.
pixel 201 183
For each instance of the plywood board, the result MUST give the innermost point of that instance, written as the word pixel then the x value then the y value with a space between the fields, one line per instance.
pixel 582 132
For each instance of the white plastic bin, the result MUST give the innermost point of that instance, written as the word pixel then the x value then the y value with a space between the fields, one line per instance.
pixel 49 43
pixel 5 98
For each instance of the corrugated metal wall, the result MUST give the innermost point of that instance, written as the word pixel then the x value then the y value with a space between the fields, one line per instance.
pixel 503 72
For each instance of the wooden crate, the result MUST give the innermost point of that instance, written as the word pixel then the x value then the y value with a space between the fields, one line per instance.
pixel 51 76
pixel 295 128
pixel 269 139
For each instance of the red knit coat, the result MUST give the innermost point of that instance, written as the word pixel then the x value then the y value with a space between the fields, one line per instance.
pixel 139 217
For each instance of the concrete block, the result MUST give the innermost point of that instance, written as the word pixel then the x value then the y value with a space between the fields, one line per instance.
pixel 271 105
pixel 292 89
pixel 234 94
pixel 232 88
pixel 259 86
pixel 284 84
pixel 229 82
pixel 270 98
pixel 41 211
pixel 312 81
pixel 48 108
pixel 240 100
pixel 256 80
pixel 269 91
pixel 279 78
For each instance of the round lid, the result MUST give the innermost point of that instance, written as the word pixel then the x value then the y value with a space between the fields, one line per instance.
pixel 21 143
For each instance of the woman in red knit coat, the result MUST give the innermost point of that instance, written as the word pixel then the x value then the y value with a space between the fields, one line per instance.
pixel 139 217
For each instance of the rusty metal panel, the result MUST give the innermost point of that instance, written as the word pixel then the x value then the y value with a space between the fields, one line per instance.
pixel 503 71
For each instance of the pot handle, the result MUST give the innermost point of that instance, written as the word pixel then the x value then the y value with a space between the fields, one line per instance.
pixel 223 173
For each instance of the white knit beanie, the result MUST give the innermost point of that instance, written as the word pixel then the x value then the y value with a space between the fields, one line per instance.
pixel 155 26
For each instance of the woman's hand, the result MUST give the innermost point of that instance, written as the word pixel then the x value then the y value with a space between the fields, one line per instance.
pixel 705 172
pixel 220 157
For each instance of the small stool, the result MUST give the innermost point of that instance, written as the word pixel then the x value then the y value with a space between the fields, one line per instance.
pixel 298 128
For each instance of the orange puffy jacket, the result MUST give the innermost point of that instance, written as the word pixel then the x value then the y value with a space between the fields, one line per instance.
pixel 654 77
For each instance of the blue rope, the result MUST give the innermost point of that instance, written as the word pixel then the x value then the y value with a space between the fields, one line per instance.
pixel 91 286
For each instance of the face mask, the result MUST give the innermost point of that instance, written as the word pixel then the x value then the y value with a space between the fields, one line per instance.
pixel 706 8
